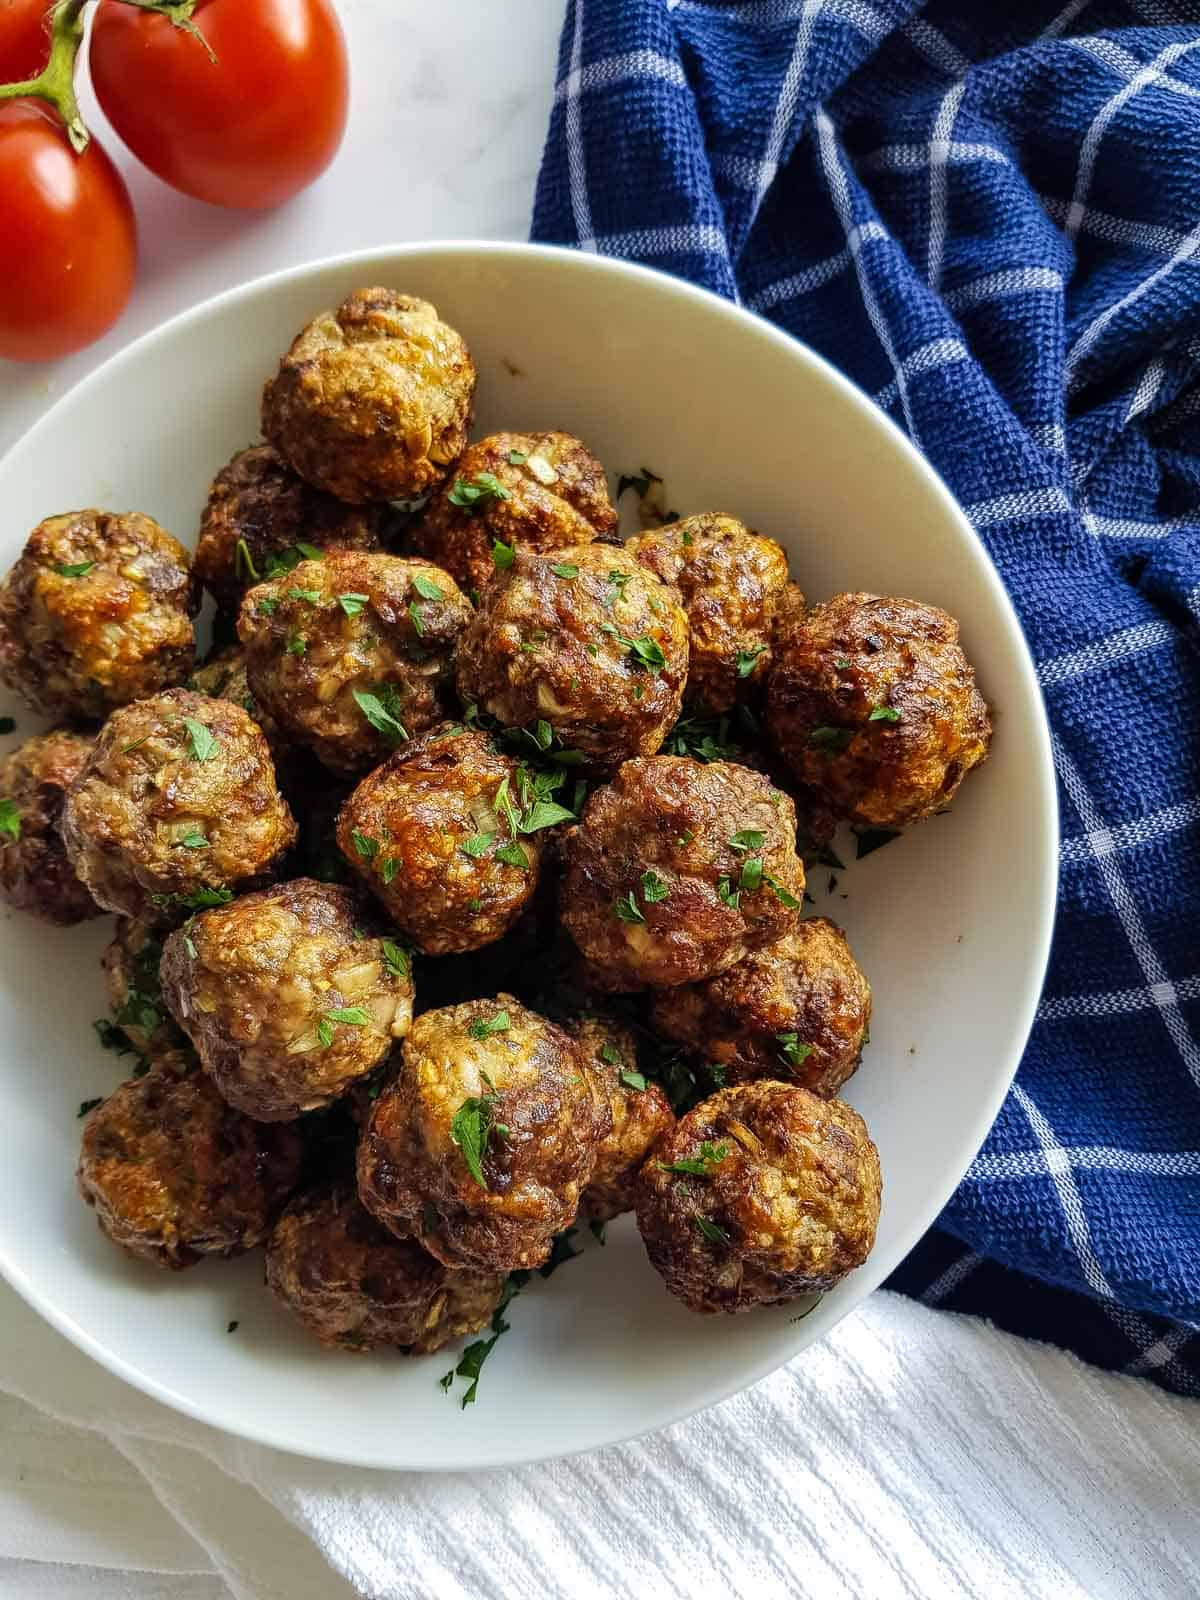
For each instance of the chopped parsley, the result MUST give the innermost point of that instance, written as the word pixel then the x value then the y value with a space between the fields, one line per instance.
pixel 561 1250
pixel 243 562
pixel 352 604
pixel 710 1231
pixel 707 739
pixel 884 714
pixel 427 589
pixel 618 580
pixel 366 847
pixel 503 555
pixel 311 597
pixel 751 875
pixel 201 744
pixel 475 905
pixel 564 569
pixel 544 814
pixel 626 909
pixel 513 855
pixel 483 1028
pixel 10 820
pixel 472 1127
pixel 474 493
pixel 633 1080
pixel 610 1055
pixel 267 607
pixel 414 612
pixel 296 645
pixel 792 1049
pixel 471 1361
pixel 193 839
pixel 653 888
pixel 389 869
pixel 784 896
pixel 731 896
pixel 285 561
pixel 351 1016
pixel 89 1105
pixel 748 839
pixel 232 1327
pixel 842 664
pixel 381 708
pixel 476 845
pixel 701 1164
pixel 646 652
pixel 517 458
pixel 868 840
pixel 75 569
pixel 111 1037
pixel 747 660
pixel 196 899
pixel 395 959
pixel 830 739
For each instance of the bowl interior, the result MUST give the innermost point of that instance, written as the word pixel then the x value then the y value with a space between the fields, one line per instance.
pixel 951 923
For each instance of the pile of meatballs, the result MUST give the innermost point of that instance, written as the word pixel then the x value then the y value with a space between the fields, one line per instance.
pixel 416 921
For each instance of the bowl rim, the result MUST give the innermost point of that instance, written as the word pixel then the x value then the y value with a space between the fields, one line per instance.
pixel 1042 779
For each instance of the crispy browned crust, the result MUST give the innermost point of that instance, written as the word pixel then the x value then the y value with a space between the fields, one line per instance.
pixel 35 874
pixel 557 496
pixel 306 657
pixel 357 1287
pixel 76 646
pixel 175 1174
pixel 544 646
pixel 142 792
pixel 412 1174
pixel 253 985
pixel 806 990
pixel 795 1197
pixel 860 653
pixel 259 503
pixel 372 401
pixel 640 1116
pixel 735 591
pixel 405 828
pixel 674 818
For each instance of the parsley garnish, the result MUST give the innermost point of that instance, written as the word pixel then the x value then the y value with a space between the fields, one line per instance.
pixel 233 1326
pixel 395 959
pixel 564 569
pixel 747 660
pixel 472 1128
pixel 561 1250
pixel 111 1037
pixel 267 607
pixel 503 555
pixel 842 664
pixel 414 612
pixel 872 839
pixel 193 839
pixel 752 874
pixel 748 839
pixel 647 652
pixel 609 1054
pixel 653 888
pixel 10 819
pixel 793 1050
pixel 380 708
pixel 483 1028
pixel 476 1354
pixel 513 855
pixel 352 604
pixel 633 1080
pixel 517 458
pixel 196 899
pixel 426 588
pixel 627 908
pixel 476 845
pixel 243 562
pixel 285 561
pixel 781 894
pixel 474 493
pixel 710 1231
pixel 366 847
pixel 201 744
pixel 311 596
pixel 390 868
pixel 884 714
pixel 296 645
pixel 351 1016
pixel 75 569
pixel 699 1165
pixel 832 739
pixel 731 896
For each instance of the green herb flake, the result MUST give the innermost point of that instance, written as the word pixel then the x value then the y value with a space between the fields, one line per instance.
pixel 561 1250
pixel 564 569
pixel 884 714
pixel 427 589
pixel 842 664
pixel 513 855
pixel 731 896
pixel 701 1164
pixel 196 899
pixel 366 847
pixel 10 820
pixel 596 1229
pixel 710 1231
pixel 243 562
pixel 296 645
pixel 544 814
pixel 389 869
pixel 633 1080
pixel 610 1055
pixel 503 555
pixel 747 660
pixel 471 1129
pixel 483 1028
pixel 75 569
pixel 414 612
pixel 476 845
pixel 89 1105
pixel 267 607
pixel 193 839
pixel 189 945
pixel 201 744
pixel 311 597
pixel 748 839
pixel 646 652
pixel 830 739
pixel 474 493
pixel 752 874
pixel 232 1327
pixel 475 905
pixel 871 839
pixel 626 909
pixel 653 888
pixel 395 959
pixel 517 458
pixel 717 1073
pixel 380 709
pixel 352 604
pixel 792 1049
pixel 784 896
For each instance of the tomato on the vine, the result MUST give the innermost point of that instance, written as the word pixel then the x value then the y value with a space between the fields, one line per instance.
pixel 70 241
pixel 24 39
pixel 249 128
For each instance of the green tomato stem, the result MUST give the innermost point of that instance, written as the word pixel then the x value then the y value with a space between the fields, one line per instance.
pixel 55 83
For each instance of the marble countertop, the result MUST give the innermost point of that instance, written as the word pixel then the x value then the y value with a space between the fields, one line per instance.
pixel 449 107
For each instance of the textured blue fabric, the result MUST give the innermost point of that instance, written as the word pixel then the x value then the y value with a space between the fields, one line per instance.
pixel 988 215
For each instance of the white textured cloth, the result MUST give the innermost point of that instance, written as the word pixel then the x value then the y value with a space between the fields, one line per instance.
pixel 912 1454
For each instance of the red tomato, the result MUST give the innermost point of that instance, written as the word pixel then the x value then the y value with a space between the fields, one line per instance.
pixel 249 129
pixel 70 241
pixel 24 39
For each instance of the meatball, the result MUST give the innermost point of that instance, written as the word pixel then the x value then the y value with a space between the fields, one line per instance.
pixel 543 491
pixel 641 1115
pixel 35 874
pixel 174 1173
pixel 373 400
pixel 435 834
pixel 482 1145
pixel 584 639
pixel 678 870
pixel 352 654
pixel 287 997
pixel 357 1287
pixel 176 806
pixel 735 591
pixel 759 1194
pixel 874 707
pixel 259 515
pixel 798 1010
pixel 96 612
pixel 135 998
pixel 222 676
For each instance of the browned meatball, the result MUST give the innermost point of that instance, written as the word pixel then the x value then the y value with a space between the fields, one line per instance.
pixel 874 707
pixel 35 874
pixel 373 400
pixel 584 639
pixel 482 1145
pixel 543 491
pixel 96 612
pixel 176 806
pixel 357 1287
pixel 351 655
pixel 799 1010
pixel 223 676
pixel 678 870
pixel 641 1115
pixel 778 1197
pixel 258 517
pixel 287 996
pixel 435 834
pixel 735 590
pixel 135 998
pixel 175 1174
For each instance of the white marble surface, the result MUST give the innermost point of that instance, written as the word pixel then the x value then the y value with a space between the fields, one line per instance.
pixel 449 107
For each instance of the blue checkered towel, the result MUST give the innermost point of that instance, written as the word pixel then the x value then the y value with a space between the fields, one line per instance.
pixel 988 215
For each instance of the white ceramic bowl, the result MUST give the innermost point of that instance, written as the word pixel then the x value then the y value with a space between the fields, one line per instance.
pixel 952 923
